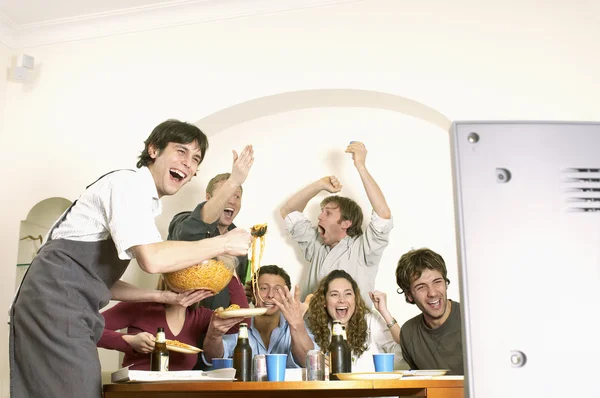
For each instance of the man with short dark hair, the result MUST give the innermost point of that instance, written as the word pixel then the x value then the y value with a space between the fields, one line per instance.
pixel 281 330
pixel 433 339
pixel 338 241
pixel 55 318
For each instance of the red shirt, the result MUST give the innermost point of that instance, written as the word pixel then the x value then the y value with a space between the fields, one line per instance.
pixel 147 317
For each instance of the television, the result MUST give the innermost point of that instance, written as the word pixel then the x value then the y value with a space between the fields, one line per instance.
pixel 527 207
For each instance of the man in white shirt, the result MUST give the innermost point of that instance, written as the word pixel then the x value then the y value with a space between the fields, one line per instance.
pixel 338 241
pixel 55 318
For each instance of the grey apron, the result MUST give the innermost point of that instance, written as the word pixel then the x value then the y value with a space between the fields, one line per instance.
pixel 56 320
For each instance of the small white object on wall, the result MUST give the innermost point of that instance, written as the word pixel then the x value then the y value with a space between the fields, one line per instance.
pixel 23 69
pixel 26 61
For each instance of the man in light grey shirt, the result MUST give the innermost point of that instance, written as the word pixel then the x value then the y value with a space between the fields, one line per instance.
pixel 338 242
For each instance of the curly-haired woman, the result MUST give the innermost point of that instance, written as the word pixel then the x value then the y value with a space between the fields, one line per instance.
pixel 338 298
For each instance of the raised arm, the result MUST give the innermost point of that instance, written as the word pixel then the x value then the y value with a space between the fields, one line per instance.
pixel 299 201
pixel 374 193
pixel 380 302
pixel 216 203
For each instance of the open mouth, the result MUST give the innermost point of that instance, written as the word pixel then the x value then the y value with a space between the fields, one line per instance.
pixel 435 303
pixel 177 175
pixel 228 212
pixel 341 311
pixel 321 230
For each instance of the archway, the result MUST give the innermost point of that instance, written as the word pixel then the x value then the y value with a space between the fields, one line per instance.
pixel 319 98
pixel 34 229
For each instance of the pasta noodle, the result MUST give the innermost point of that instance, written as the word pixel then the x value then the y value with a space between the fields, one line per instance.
pixel 176 343
pixel 213 275
pixel 232 307
pixel 258 232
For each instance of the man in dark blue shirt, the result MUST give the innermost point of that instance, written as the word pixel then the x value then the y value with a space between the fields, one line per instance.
pixel 215 216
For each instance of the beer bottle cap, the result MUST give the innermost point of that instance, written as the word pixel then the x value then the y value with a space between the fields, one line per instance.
pixel 160 330
pixel 244 324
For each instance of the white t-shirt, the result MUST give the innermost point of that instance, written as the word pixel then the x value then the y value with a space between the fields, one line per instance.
pixel 379 340
pixel 359 256
pixel 121 205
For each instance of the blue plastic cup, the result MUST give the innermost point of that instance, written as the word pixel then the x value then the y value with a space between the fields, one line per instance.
pixel 220 363
pixel 384 362
pixel 276 367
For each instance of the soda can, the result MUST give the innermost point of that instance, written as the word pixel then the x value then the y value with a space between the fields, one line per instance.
pixel 315 365
pixel 259 368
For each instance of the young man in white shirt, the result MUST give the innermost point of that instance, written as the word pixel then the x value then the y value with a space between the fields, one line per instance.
pixel 55 318
pixel 338 241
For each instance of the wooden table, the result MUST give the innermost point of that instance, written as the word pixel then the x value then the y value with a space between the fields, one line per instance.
pixel 290 389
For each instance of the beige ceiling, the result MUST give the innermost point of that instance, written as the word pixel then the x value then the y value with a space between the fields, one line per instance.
pixel 31 23
pixel 26 12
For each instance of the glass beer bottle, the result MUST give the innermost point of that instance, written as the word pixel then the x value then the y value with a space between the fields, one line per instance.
pixel 242 355
pixel 349 358
pixel 339 352
pixel 159 360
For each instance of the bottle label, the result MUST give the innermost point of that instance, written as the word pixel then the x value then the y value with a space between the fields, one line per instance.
pixel 160 337
pixel 164 364
pixel 337 329
pixel 243 334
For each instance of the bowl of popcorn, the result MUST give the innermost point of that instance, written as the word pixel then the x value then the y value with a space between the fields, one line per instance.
pixel 213 275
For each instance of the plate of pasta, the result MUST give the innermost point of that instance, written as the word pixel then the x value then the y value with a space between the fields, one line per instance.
pixel 178 346
pixel 234 311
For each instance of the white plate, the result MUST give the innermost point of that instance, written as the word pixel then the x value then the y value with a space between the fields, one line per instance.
pixel 223 373
pixel 426 372
pixel 370 376
pixel 125 375
pixel 188 349
pixel 242 313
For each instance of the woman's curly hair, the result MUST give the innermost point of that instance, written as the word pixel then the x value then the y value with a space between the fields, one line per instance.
pixel 318 317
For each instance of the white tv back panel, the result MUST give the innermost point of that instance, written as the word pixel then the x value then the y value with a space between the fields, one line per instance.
pixel 528 226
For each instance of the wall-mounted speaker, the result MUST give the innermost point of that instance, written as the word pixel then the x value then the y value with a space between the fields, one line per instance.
pixel 23 69
pixel 26 61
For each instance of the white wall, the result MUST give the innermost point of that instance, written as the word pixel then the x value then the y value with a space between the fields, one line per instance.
pixel 408 157
pixel 94 101
pixel 9 235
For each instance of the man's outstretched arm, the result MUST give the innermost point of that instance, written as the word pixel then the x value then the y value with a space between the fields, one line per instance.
pixel 299 201
pixel 374 193
pixel 215 205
